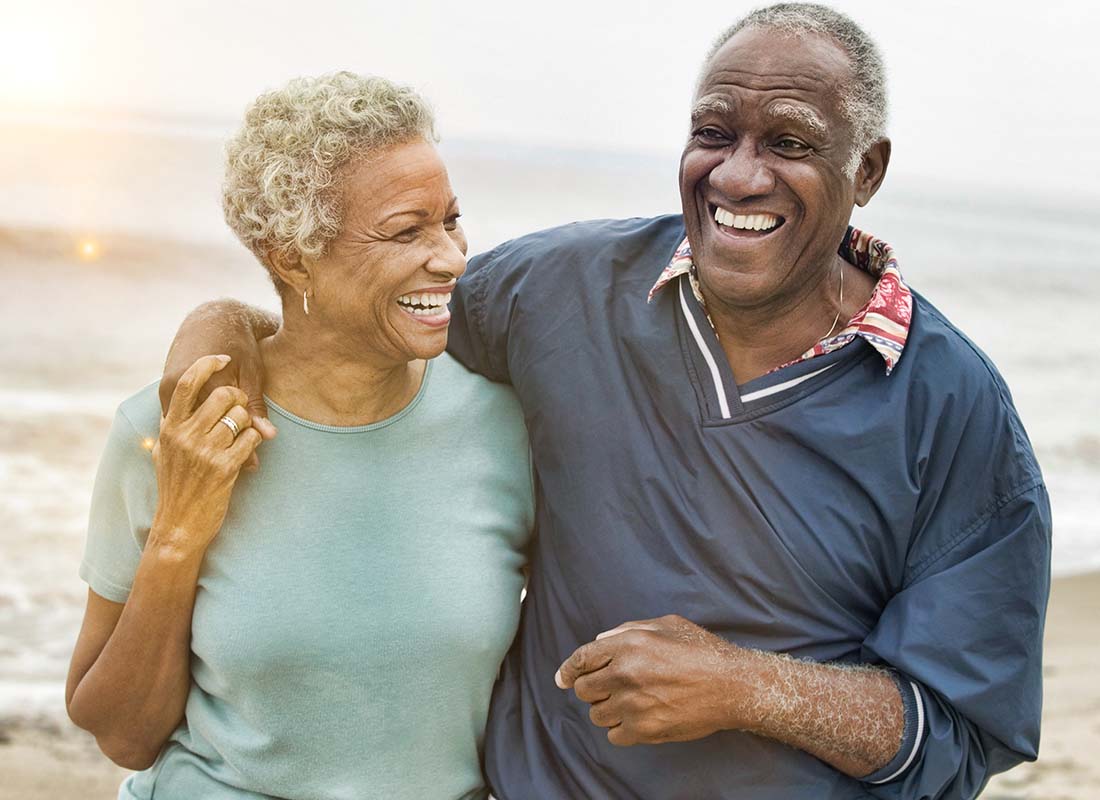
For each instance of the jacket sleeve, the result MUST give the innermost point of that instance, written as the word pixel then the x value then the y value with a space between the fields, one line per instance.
pixel 967 635
pixel 964 631
pixel 481 317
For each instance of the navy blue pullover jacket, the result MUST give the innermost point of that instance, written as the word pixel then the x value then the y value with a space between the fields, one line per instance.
pixel 827 510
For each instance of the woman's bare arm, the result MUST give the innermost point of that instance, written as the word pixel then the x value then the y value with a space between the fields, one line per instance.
pixel 130 673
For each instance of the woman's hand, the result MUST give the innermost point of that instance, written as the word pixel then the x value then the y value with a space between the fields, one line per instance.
pixel 198 457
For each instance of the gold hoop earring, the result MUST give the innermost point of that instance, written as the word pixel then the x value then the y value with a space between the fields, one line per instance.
pixel 305 301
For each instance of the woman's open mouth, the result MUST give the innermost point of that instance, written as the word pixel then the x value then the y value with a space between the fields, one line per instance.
pixel 427 307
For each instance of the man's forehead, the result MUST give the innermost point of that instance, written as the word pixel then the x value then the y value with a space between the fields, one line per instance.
pixel 762 59
pixel 719 76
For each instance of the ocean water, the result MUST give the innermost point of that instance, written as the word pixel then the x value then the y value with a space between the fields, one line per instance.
pixel 80 333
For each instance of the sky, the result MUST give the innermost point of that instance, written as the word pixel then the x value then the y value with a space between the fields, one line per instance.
pixel 998 93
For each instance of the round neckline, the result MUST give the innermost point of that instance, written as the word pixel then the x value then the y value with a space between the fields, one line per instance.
pixel 382 423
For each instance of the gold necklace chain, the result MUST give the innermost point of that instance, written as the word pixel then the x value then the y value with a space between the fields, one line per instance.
pixel 836 319
pixel 832 327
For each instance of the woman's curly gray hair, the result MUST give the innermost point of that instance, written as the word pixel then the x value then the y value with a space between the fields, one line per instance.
pixel 281 195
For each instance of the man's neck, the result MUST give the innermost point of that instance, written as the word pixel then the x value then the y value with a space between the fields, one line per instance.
pixel 759 339
pixel 314 376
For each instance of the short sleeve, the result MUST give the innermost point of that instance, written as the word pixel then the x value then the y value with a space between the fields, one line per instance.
pixel 123 502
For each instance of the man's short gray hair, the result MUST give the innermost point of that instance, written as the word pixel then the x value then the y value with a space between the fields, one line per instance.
pixel 281 193
pixel 863 99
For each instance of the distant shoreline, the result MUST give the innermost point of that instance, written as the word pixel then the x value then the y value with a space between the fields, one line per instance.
pixel 915 188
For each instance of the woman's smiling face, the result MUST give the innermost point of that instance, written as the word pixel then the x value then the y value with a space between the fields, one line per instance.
pixel 385 280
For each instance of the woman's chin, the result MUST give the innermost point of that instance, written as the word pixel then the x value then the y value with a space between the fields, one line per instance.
pixel 425 337
pixel 427 347
pixel 433 352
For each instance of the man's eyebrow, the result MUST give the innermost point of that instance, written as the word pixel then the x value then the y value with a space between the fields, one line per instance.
pixel 807 116
pixel 710 105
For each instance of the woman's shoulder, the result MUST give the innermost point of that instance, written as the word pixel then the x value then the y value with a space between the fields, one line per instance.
pixel 141 411
pixel 460 400
pixel 481 428
pixel 134 430
pixel 457 386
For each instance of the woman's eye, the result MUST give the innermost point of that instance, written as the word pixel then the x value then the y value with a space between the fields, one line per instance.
pixel 406 235
pixel 451 223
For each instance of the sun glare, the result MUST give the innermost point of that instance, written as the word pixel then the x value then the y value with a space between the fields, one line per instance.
pixel 89 250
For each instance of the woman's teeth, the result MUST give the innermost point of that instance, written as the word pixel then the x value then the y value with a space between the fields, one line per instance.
pixel 750 222
pixel 425 305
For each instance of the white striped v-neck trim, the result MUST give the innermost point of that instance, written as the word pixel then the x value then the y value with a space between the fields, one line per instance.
pixel 768 391
pixel 716 376
pixel 775 387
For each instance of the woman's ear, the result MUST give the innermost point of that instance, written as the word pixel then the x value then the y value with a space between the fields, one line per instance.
pixel 291 270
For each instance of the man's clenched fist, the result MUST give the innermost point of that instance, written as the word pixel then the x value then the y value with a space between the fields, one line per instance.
pixel 656 680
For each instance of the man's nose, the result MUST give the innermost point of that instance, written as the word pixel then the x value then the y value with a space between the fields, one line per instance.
pixel 744 173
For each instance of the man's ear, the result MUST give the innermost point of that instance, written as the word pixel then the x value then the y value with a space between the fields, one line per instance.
pixel 872 170
pixel 291 270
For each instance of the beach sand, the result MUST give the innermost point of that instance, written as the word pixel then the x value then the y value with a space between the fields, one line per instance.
pixel 1067 768
pixel 59 763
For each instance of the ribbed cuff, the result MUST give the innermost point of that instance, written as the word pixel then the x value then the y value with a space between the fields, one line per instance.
pixel 911 739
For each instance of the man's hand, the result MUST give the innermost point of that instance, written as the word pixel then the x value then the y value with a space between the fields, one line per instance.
pixel 653 681
pixel 668 680
pixel 233 328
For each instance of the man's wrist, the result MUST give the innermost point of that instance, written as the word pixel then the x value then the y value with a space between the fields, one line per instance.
pixel 912 735
pixel 746 676
pixel 731 682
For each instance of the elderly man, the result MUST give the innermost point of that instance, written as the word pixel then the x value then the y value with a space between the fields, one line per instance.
pixel 793 540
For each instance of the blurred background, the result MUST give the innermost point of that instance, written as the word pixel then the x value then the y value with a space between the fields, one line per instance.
pixel 112 120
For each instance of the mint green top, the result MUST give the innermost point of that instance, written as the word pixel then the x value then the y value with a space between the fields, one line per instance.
pixel 352 614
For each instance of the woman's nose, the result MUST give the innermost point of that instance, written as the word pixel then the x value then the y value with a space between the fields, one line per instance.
pixel 449 258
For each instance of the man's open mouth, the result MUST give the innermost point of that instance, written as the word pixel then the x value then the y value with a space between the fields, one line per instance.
pixel 750 225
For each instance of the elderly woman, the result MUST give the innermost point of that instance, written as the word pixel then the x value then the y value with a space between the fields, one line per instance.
pixel 335 629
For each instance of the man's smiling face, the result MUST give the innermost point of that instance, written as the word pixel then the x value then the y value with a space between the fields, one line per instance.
pixel 762 178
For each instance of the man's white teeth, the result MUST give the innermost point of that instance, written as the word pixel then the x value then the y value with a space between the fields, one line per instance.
pixel 427 304
pixel 750 222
